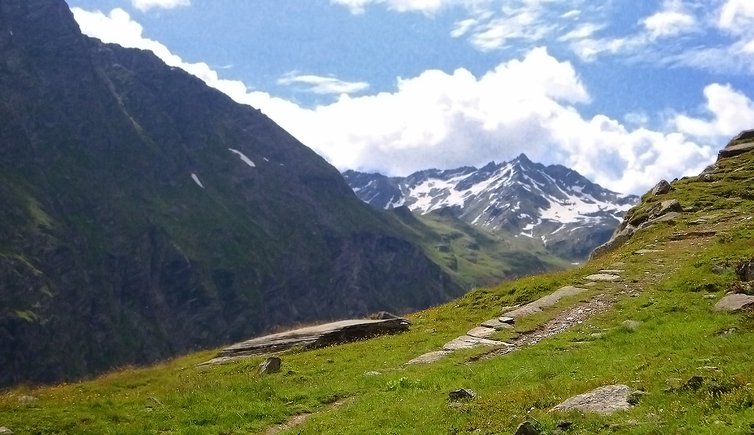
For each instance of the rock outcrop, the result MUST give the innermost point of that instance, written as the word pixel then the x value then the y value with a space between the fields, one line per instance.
pixel 312 337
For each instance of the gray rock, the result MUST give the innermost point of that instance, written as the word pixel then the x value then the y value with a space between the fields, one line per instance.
pixel 312 337
pixel 461 394
pixel 469 342
pixel 706 178
pixel 5 431
pixel 481 332
pixel 430 357
pixel 745 271
pixel 507 320
pixel 372 373
pixel 733 150
pixel 661 188
pixel 270 365
pixel 526 428
pixel 496 324
pixel 603 400
pixel 618 239
pixel 544 302
pixel 665 207
pixel 734 302
pixel 603 277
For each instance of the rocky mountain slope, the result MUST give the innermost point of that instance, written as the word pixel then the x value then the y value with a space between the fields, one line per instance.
pixel 651 336
pixel 554 204
pixel 143 214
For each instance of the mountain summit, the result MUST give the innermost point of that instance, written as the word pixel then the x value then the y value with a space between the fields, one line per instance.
pixel 567 212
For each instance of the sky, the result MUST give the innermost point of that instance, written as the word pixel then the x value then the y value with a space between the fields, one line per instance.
pixel 625 92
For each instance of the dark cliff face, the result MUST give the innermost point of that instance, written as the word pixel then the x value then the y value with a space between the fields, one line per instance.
pixel 110 250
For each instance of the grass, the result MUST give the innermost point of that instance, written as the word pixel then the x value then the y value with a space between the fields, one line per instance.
pixel 675 335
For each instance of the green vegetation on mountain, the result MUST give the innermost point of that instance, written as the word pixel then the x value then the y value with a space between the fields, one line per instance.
pixel 654 330
pixel 473 256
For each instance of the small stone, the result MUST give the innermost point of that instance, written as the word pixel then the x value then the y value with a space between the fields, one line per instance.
pixel 461 394
pixel 564 424
pixel 694 383
pixel 270 365
pixel 526 428
pixel 372 373
pixel 506 319
pixel 710 296
pixel 5 431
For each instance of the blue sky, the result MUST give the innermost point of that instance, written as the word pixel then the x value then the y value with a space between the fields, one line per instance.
pixel 624 92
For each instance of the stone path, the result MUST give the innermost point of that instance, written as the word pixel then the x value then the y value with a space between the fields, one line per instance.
pixel 478 336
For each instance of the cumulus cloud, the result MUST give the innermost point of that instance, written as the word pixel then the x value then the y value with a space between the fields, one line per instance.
pixel 449 119
pixel 145 5
pixel 728 112
pixel 322 85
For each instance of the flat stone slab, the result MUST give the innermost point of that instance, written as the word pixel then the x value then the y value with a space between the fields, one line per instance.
pixel 734 302
pixel 734 150
pixel 469 342
pixel 544 302
pixel 481 332
pixel 430 357
pixel 603 277
pixel 311 337
pixel 603 400
pixel 497 324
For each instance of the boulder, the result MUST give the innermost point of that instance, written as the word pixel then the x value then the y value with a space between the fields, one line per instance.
pixel 661 188
pixel 733 150
pixel 270 365
pixel 603 400
pixel 734 302
pixel 312 337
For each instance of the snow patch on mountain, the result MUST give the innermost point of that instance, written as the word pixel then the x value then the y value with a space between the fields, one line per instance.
pixel 243 157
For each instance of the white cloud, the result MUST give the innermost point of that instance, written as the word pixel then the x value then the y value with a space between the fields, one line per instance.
pixel 425 6
pixel 669 23
pixel 322 85
pixel 736 14
pixel 729 112
pixel 445 120
pixel 145 5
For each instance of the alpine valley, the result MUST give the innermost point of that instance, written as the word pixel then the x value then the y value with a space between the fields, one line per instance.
pixel 145 215
pixel 569 214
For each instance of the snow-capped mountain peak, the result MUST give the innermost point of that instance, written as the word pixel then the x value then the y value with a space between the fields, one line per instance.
pixel 552 203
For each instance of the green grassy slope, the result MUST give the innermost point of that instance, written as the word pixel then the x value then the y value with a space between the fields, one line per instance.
pixel 675 335
pixel 473 256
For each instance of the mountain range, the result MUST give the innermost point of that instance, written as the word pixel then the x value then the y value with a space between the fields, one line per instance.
pixel 568 213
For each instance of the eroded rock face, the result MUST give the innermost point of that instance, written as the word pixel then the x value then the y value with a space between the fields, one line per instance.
pixel 742 143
